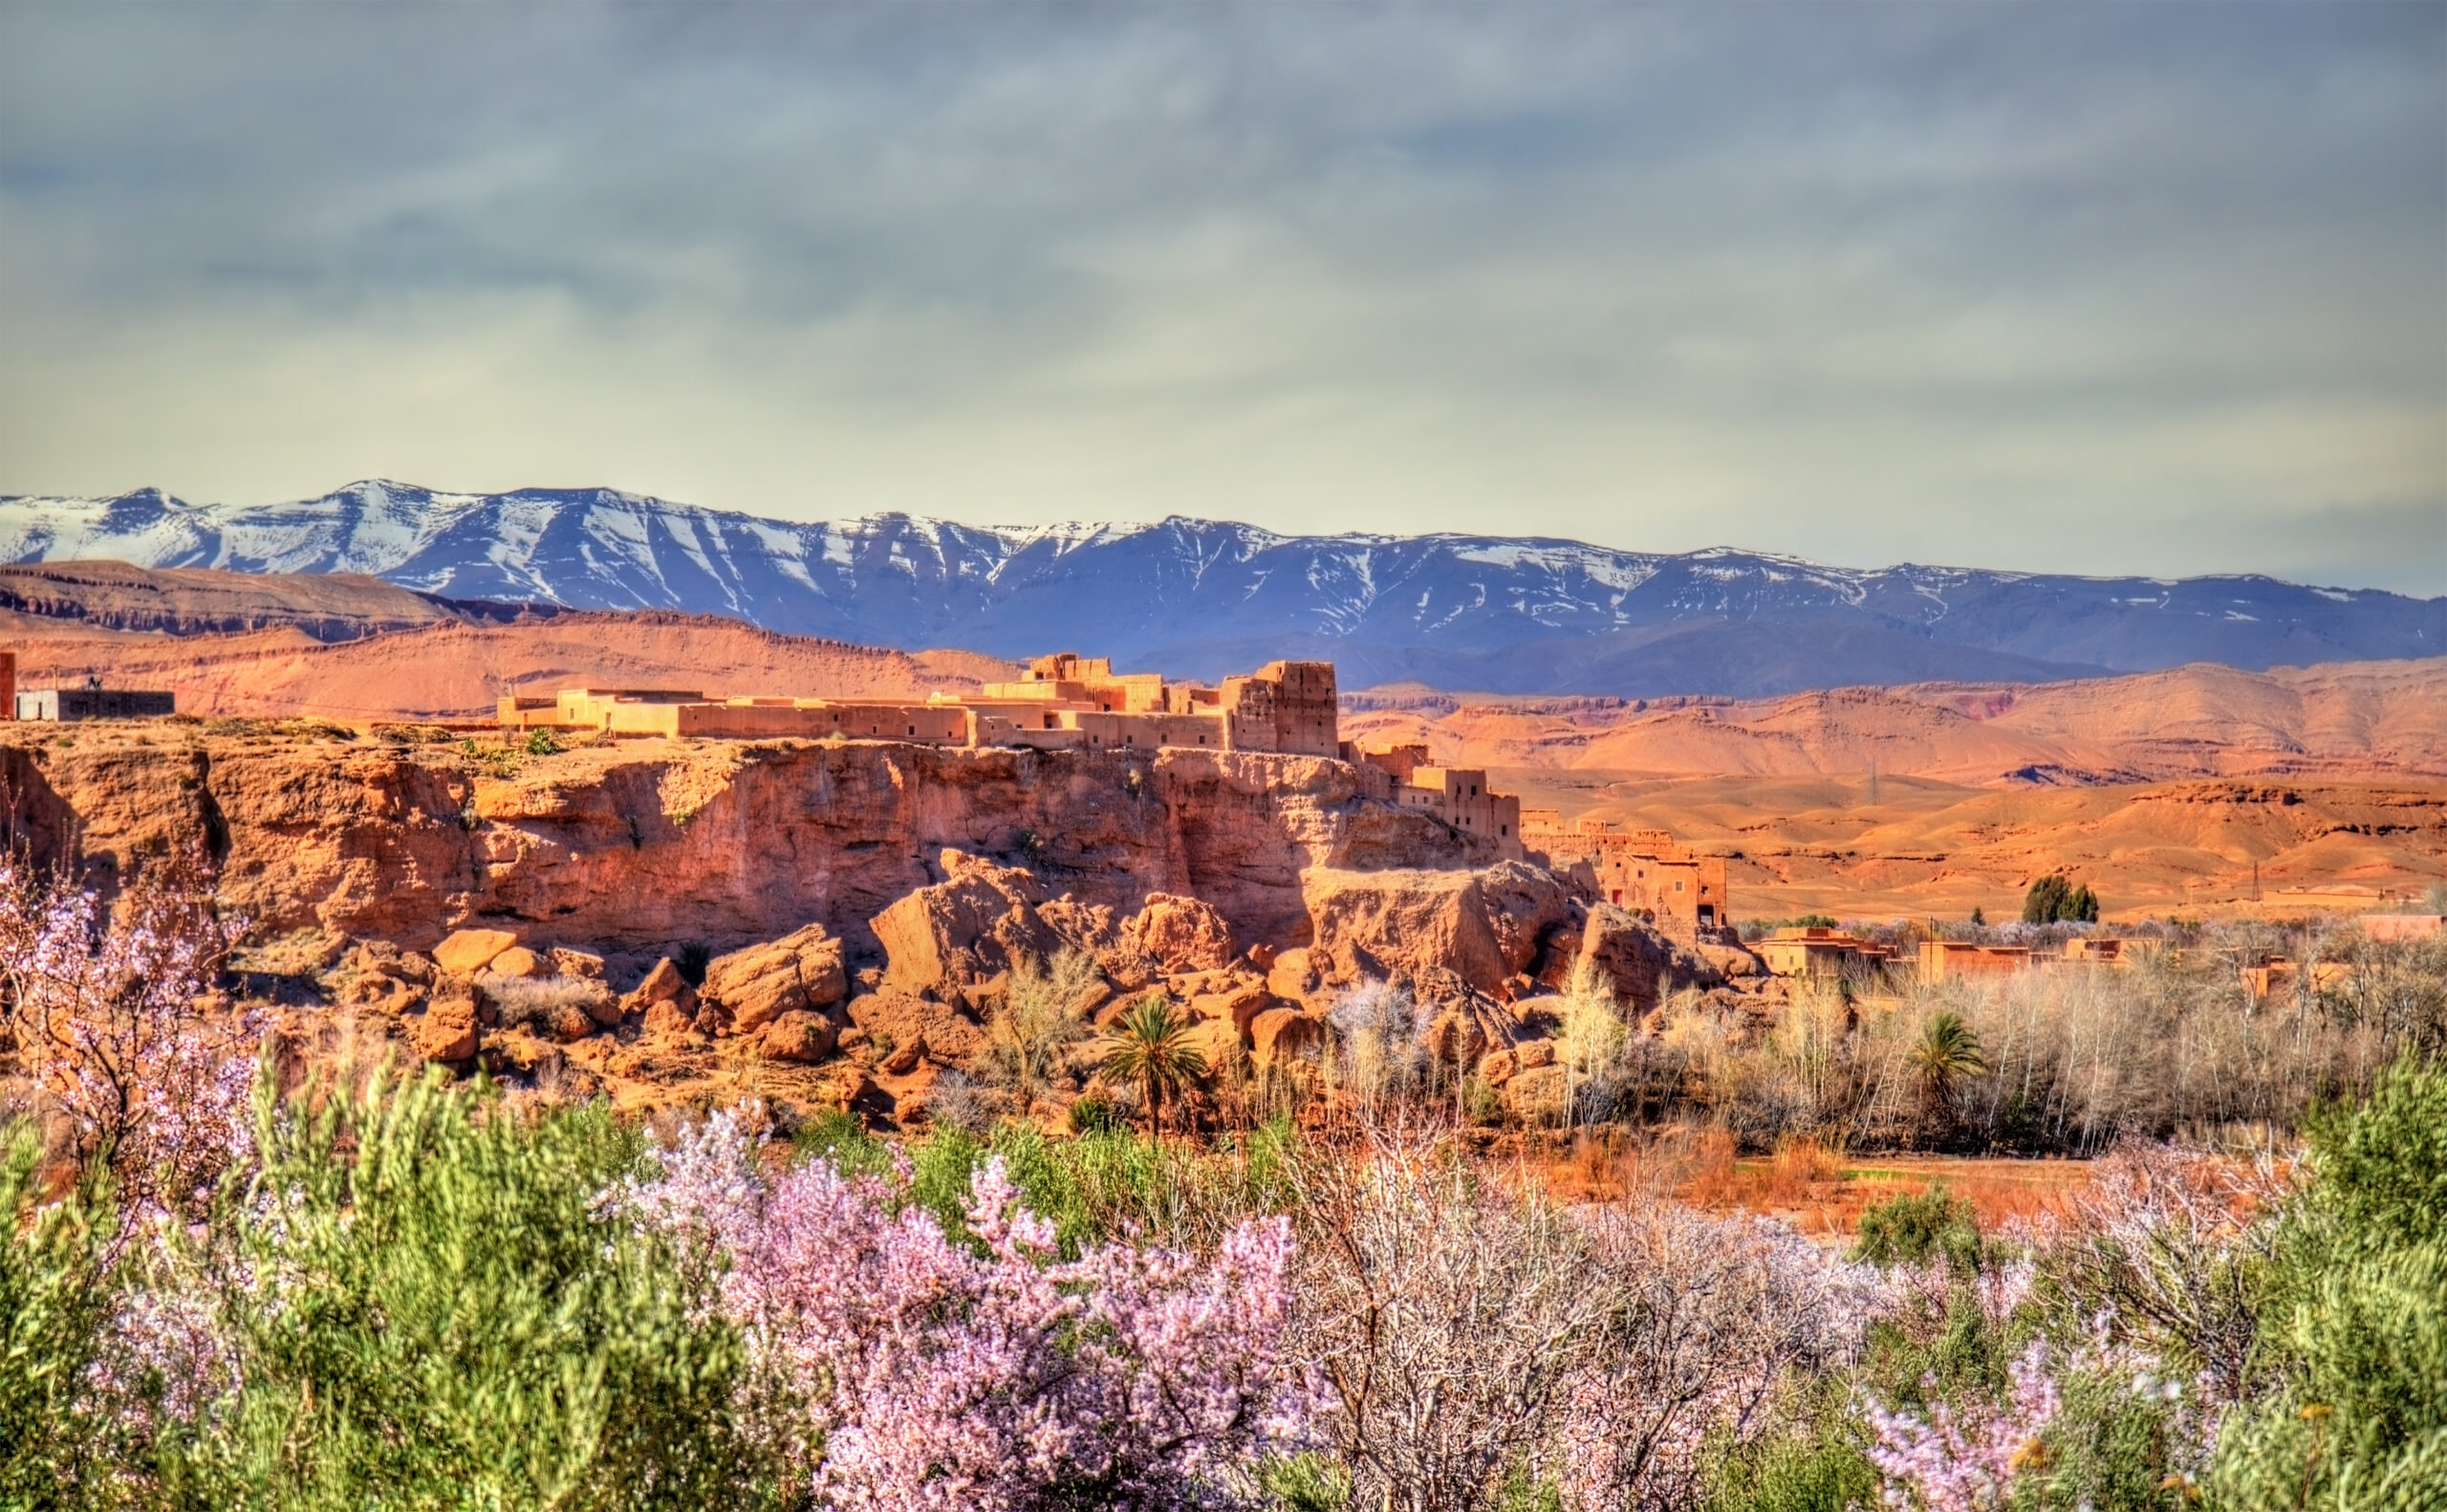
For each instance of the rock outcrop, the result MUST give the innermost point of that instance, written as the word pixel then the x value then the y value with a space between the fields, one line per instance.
pixel 638 846
pixel 1440 932
pixel 1180 934
pixel 1634 960
pixel 975 925
pixel 799 973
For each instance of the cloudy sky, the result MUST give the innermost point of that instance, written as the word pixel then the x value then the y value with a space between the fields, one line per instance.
pixel 2077 287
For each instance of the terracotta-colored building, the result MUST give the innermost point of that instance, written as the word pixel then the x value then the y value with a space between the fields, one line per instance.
pixel 1064 702
pixel 2277 977
pixel 1458 796
pixel 1943 959
pixel 1813 950
pixel 1645 871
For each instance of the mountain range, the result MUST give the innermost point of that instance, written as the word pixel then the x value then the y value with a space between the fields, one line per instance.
pixel 1202 599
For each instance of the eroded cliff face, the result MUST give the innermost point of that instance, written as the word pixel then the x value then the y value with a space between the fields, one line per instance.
pixel 644 846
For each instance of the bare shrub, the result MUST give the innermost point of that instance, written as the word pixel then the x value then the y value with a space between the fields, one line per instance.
pixel 1467 1330
pixel 2170 1246
pixel 1446 1317
pixel 523 1000
pixel 1028 1031
pixel 1378 1057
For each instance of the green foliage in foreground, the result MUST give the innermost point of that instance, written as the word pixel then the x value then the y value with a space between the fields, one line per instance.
pixel 437 1319
pixel 1911 1227
pixel 1099 1186
pixel 2359 1322
pixel 55 1299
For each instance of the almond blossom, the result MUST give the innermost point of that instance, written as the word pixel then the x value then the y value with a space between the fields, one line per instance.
pixel 934 1377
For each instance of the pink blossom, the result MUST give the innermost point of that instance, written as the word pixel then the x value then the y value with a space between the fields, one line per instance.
pixel 938 1377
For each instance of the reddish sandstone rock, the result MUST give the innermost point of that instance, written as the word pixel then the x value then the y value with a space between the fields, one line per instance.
pixel 917 1028
pixel 570 1023
pixel 1282 1034
pixel 446 1031
pixel 1291 975
pixel 1181 934
pixel 567 962
pixel 469 951
pixel 1630 958
pixel 1537 1094
pixel 517 961
pixel 1414 927
pixel 1215 1043
pixel 974 925
pixel 1502 1066
pixel 798 973
pixel 667 1017
pixel 797 1035
pixel 1236 1007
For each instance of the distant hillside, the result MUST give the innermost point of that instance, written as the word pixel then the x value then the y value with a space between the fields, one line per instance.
pixel 189 601
pixel 455 669
pixel 2381 719
pixel 1198 598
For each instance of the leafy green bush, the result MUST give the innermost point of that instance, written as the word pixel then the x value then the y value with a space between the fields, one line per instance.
pixel 55 1294
pixel 1910 1227
pixel 427 1312
pixel 2358 1323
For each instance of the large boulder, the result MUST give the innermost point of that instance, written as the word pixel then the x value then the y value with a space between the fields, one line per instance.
pixel 664 999
pixel 1631 958
pixel 799 973
pixel 1484 928
pixel 797 1035
pixel 1181 934
pixel 972 926
pixel 906 1029
pixel 1279 1035
pixel 446 1031
pixel 468 951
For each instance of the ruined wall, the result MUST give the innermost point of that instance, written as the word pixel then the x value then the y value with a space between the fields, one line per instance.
pixel 644 846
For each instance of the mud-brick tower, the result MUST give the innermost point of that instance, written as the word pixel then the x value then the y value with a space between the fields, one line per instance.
pixel 8 685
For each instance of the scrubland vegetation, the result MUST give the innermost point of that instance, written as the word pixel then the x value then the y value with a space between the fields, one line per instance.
pixel 257 1285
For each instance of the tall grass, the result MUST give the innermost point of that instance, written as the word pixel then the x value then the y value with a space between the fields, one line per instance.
pixel 2067 1061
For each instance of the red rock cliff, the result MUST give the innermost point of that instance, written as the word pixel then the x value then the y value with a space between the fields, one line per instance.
pixel 644 844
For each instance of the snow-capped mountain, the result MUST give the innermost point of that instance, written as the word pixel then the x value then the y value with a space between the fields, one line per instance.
pixel 1200 598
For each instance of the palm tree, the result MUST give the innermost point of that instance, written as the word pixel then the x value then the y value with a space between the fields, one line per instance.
pixel 1148 1047
pixel 1948 1053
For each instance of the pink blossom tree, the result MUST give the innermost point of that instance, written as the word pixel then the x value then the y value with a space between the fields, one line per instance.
pixel 106 1009
pixel 932 1375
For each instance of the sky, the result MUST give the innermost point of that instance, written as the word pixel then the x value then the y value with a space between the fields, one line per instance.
pixel 2154 288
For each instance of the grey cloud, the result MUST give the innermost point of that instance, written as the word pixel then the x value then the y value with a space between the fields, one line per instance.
pixel 1827 279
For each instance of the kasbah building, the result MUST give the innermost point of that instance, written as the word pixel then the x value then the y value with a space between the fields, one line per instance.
pixel 1067 701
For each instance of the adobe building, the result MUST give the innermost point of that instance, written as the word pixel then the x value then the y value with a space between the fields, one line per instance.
pixel 1956 959
pixel 1062 702
pixel 1458 795
pixel 1813 950
pixel 2277 977
pixel 1646 871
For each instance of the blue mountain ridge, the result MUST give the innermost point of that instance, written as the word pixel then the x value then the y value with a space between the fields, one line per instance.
pixel 1203 598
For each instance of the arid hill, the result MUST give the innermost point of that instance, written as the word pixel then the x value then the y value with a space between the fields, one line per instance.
pixel 191 601
pixel 454 670
pixel 1906 847
pixel 2343 720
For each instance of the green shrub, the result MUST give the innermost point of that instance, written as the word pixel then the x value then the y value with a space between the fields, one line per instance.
pixel 2357 1330
pixel 55 1294
pixel 1910 1227
pixel 1817 1467
pixel 431 1313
